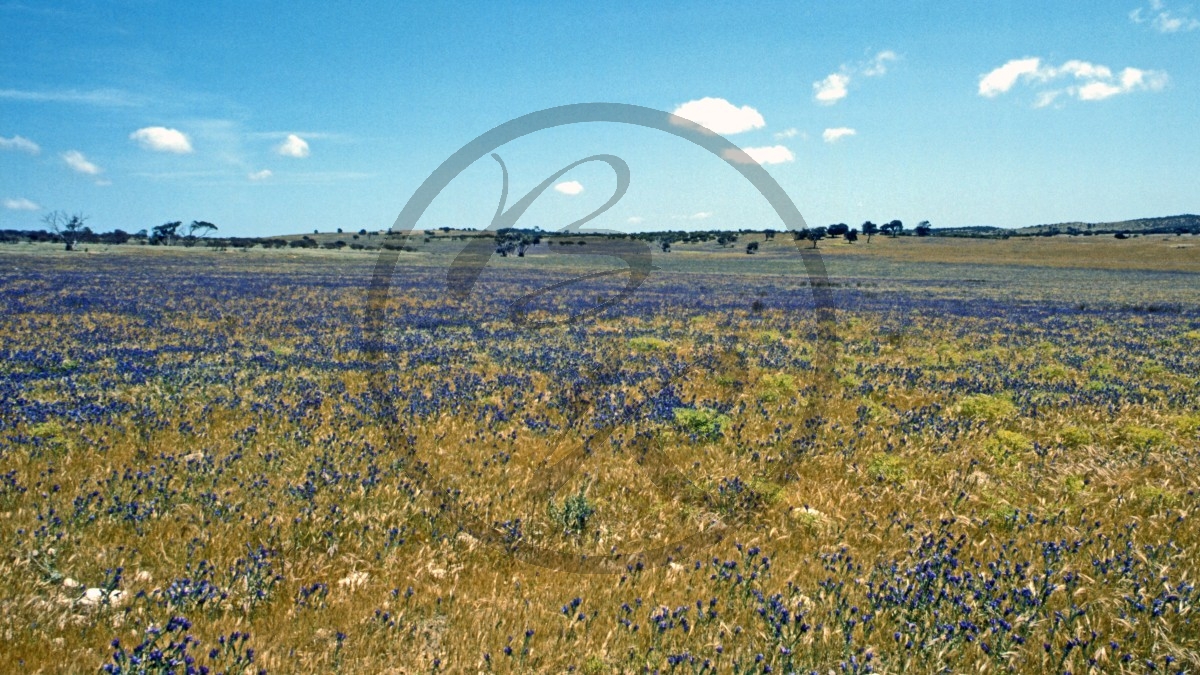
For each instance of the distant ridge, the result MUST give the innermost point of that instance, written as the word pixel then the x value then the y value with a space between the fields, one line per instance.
pixel 1182 224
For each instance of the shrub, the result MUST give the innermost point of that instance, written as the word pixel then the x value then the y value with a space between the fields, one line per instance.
pixel 1004 444
pixel 704 423
pixel 889 468
pixel 772 388
pixel 1157 496
pixel 574 514
pixel 1074 485
pixel 649 344
pixel 1189 425
pixel 987 407
pixel 1074 437
pixel 1140 438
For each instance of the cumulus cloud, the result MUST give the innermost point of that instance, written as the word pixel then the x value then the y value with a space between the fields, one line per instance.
pixel 1003 78
pixel 786 133
pixel 79 163
pixel 719 116
pixel 19 143
pixel 832 89
pixel 1163 19
pixel 571 187
pixel 293 146
pixel 1087 81
pixel 635 220
pixel 21 204
pixel 700 215
pixel 836 86
pixel 260 175
pixel 836 134
pixel 772 154
pixel 162 139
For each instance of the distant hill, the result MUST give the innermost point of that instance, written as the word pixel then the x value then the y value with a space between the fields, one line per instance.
pixel 1184 224
pixel 979 231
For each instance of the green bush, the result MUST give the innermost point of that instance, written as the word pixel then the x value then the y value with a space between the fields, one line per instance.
pixel 987 407
pixel 704 423
pixel 772 388
pixel 1141 438
pixel 890 468
pixel 1074 437
pixel 649 344
pixel 574 514
pixel 1005 444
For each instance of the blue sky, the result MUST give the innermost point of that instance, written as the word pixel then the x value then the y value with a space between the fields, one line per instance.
pixel 272 117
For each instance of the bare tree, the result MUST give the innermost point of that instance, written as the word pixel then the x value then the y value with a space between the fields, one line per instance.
pixel 68 227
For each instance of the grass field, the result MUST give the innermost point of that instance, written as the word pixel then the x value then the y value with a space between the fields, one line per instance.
pixel 986 463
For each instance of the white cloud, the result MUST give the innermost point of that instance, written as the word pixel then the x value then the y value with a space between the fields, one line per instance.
pixel 1045 98
pixel 772 154
pixel 719 116
pixel 836 134
pixel 1093 82
pixel 879 65
pixel 571 187
pixel 293 146
pixel 162 139
pixel 260 175
pixel 700 215
pixel 786 134
pixel 78 162
pixel 635 220
pixel 1098 91
pixel 831 89
pixel 836 86
pixel 1003 78
pixel 98 97
pixel 19 143
pixel 1081 70
pixel 1164 20
pixel 21 204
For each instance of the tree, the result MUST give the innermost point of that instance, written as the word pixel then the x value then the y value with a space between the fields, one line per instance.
pixel 202 226
pixel 769 234
pixel 665 245
pixel 851 236
pixel 838 230
pixel 68 228
pixel 816 234
pixel 893 228
pixel 869 228
pixel 924 229
pixel 167 232
pixel 752 248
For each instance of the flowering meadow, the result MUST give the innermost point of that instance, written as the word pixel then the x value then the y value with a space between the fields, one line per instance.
pixel 209 463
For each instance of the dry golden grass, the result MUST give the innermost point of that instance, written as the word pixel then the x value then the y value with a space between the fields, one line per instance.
pixel 990 467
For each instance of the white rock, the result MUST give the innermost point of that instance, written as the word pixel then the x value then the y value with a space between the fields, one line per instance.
pixel 117 598
pixel 92 597
pixel 143 576
pixel 70 583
